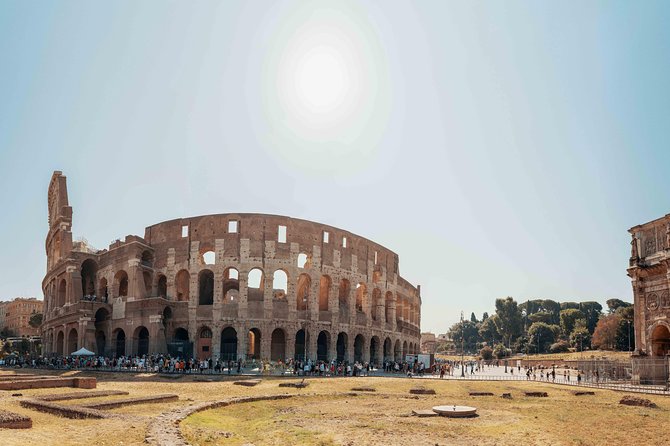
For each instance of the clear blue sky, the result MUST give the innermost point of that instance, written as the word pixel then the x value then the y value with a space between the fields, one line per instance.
pixel 500 148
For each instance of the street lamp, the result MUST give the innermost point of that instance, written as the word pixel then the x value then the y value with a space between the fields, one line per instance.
pixel 462 347
pixel 628 322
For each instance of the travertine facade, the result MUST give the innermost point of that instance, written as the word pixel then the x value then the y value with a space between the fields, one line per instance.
pixel 15 315
pixel 649 270
pixel 229 286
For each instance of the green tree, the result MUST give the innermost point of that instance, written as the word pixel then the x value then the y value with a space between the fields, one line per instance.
pixel 509 319
pixel 488 330
pixel 614 304
pixel 36 320
pixel 541 316
pixel 500 351
pixel 469 332
pixel 485 316
pixel 580 338
pixel 567 305
pixel 625 335
pixel 592 311
pixel 473 318
pixel 486 353
pixel 542 335
pixel 568 319
pixel 604 336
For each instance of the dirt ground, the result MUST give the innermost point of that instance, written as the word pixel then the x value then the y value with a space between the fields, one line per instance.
pixel 325 414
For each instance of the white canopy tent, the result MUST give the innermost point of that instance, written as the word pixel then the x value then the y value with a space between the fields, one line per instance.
pixel 83 352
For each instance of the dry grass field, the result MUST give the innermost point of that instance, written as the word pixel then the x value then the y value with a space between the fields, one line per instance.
pixel 325 414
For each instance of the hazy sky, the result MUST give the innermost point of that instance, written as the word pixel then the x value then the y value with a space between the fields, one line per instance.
pixel 500 148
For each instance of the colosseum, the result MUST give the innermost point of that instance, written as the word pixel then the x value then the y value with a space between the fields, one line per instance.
pixel 226 286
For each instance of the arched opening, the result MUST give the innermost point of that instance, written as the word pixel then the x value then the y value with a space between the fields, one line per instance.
pixel 660 341
pixel 147 259
pixel 182 285
pixel 398 311
pixel 148 281
pixel 278 345
pixel 300 351
pixel 343 293
pixel 141 340
pixel 388 308
pixel 89 268
pixel 206 287
pixel 302 294
pixel 255 285
pixel 72 341
pixel 359 345
pixel 302 260
pixel 120 342
pixel 60 340
pixel 229 344
pixel 100 341
pixel 121 282
pixel 101 327
pixel 62 291
pixel 231 285
pixel 103 290
pixel 279 284
pixel 180 346
pixel 162 286
pixel 341 346
pixel 254 350
pixel 375 345
pixel 388 350
pixel 322 343
pixel 376 303
pixel 204 343
pixel 324 291
pixel 361 296
pixel 404 350
pixel 208 258
pixel 397 352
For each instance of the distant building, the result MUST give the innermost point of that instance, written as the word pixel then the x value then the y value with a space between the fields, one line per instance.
pixel 428 343
pixel 15 315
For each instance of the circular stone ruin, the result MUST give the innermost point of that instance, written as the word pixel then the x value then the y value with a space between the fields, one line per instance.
pixel 455 411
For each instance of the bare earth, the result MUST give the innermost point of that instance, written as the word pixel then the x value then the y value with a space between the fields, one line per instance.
pixel 326 414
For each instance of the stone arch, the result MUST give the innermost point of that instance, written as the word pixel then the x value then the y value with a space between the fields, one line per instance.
pixel 359 346
pixel 183 285
pixel 660 339
pixel 279 284
pixel 102 321
pixel 103 290
pixel 89 269
pixel 119 337
pixel 180 344
pixel 72 341
pixel 231 285
pixel 208 257
pixel 162 286
pixel 60 341
pixel 324 291
pixel 397 351
pixel 141 340
pixel 278 345
pixel 303 261
pixel 121 282
pixel 405 352
pixel 204 343
pixel 206 287
pixel 147 259
pixel 62 292
pixel 302 292
pixel 148 282
pixel 322 346
pixel 388 349
pixel 361 296
pixel 255 285
pixel 254 343
pixel 301 342
pixel 341 346
pixel 343 293
pixel 228 344
pixel 375 347
pixel 398 310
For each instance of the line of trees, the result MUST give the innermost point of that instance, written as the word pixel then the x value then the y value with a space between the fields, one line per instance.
pixel 544 325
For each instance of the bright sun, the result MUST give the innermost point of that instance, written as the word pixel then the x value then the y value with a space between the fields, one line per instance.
pixel 321 79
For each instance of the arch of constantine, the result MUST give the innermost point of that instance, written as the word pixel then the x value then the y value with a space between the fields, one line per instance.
pixel 226 286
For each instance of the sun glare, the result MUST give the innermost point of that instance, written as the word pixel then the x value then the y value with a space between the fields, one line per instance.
pixel 321 79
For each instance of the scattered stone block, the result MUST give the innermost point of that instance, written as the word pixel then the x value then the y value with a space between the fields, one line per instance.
pixel 584 392
pixel 363 389
pixel 421 391
pixel 507 396
pixel 298 385
pixel 11 420
pixel 248 382
pixel 421 413
pixel 637 401
pixel 129 401
pixel 17 394
pixel 537 394
pixel 481 394
pixel 80 395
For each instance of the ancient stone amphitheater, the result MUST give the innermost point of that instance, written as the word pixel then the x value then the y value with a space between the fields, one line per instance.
pixel 226 286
